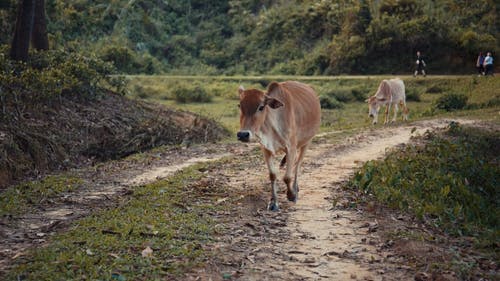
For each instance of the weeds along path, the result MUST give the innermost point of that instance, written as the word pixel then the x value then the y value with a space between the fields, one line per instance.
pixel 316 243
pixel 104 186
pixel 312 240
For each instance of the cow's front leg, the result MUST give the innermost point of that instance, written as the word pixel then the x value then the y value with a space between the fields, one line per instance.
pixel 273 204
pixel 395 113
pixel 291 192
pixel 387 109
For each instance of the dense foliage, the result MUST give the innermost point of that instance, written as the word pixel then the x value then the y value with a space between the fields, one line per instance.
pixel 49 75
pixel 451 180
pixel 60 108
pixel 273 36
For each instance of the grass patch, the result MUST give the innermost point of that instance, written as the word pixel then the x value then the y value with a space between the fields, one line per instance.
pixel 450 102
pixel 352 113
pixel 449 179
pixel 22 197
pixel 169 216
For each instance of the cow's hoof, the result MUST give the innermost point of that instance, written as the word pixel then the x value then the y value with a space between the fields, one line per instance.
pixel 291 196
pixel 273 206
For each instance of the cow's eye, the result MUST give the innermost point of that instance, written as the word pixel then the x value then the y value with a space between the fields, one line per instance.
pixel 261 107
pixel 239 105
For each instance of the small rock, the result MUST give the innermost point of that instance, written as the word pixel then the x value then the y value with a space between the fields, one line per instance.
pixel 309 260
pixel 422 276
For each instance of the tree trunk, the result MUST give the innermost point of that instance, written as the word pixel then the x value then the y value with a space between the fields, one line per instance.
pixel 22 34
pixel 39 39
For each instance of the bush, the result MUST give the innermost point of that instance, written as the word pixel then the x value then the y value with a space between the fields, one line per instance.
pixel 412 95
pixel 450 102
pixel 360 94
pixel 450 178
pixel 127 61
pixel 330 102
pixel 342 95
pixel 50 74
pixel 189 93
pixel 434 89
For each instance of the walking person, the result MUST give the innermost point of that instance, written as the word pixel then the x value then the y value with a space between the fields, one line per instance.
pixel 488 64
pixel 420 65
pixel 479 64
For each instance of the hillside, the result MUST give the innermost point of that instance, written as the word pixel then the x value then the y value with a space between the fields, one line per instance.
pixel 63 110
pixel 273 36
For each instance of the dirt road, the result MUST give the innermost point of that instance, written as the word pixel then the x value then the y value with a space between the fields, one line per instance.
pixel 314 239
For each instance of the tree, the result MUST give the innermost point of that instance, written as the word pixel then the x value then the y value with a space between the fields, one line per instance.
pixel 30 25
pixel 39 38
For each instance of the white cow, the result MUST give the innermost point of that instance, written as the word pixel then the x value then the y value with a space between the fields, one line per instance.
pixel 390 92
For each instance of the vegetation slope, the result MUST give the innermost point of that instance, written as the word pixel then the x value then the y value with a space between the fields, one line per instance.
pixel 272 36
pixel 62 110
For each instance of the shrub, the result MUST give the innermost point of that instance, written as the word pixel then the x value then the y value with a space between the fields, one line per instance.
pixel 189 93
pixel 342 95
pixel 50 74
pixel 359 94
pixel 434 89
pixel 127 61
pixel 450 102
pixel 412 95
pixel 330 102
pixel 450 178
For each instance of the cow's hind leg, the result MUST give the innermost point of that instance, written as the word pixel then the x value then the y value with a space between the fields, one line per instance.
pixel 291 194
pixel 300 157
pixel 273 204
pixel 283 162
pixel 405 111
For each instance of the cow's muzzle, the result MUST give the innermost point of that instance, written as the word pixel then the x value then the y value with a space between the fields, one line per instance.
pixel 243 136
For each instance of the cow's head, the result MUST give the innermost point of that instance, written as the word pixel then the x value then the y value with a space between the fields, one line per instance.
pixel 374 104
pixel 254 108
pixel 375 101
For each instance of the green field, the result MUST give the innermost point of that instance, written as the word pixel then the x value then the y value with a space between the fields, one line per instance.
pixel 483 95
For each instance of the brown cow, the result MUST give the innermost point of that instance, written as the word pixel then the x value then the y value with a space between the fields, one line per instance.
pixel 285 118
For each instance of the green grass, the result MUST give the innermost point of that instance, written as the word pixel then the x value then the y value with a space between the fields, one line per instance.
pixel 354 114
pixel 173 219
pixel 168 216
pixel 22 197
pixel 451 180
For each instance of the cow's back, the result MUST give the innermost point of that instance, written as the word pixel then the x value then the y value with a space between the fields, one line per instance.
pixel 397 90
pixel 301 111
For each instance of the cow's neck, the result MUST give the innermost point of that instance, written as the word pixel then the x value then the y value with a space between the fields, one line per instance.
pixel 271 137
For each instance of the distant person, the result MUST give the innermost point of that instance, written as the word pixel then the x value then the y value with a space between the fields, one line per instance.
pixel 420 65
pixel 488 64
pixel 479 64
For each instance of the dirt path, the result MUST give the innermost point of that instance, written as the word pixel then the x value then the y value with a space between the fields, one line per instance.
pixel 313 240
pixel 306 241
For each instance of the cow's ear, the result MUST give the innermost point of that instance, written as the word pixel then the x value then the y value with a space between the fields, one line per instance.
pixel 271 87
pixel 241 89
pixel 272 102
